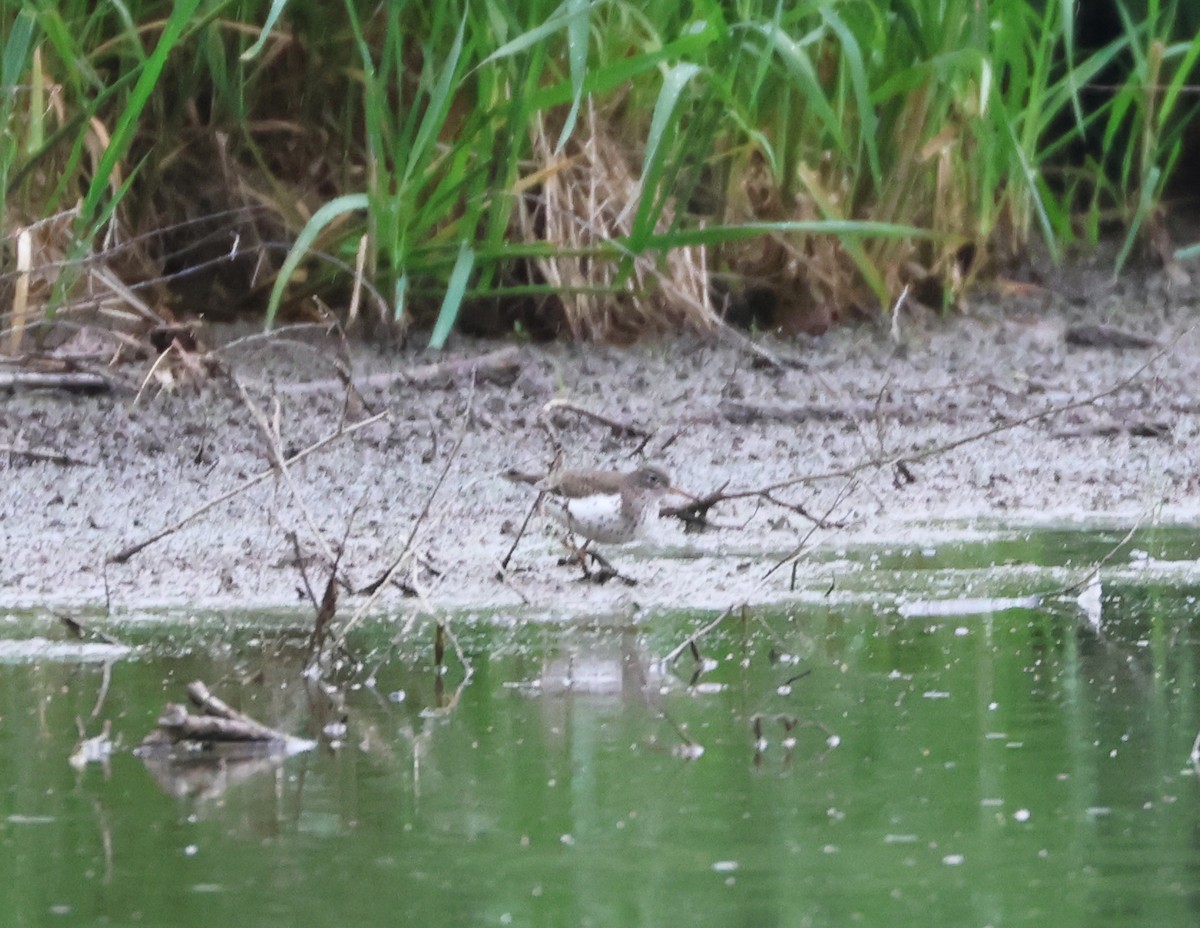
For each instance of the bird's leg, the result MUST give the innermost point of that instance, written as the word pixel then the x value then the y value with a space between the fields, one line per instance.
pixel 606 571
pixel 578 555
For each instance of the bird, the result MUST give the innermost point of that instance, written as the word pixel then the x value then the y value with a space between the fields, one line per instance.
pixel 602 506
pixel 607 507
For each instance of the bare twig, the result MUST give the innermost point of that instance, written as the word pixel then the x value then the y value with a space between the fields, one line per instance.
pixel 126 553
pixel 520 533
pixel 694 515
pixel 796 551
pixel 619 429
pixel 933 450
pixel 1087 578
pixel 499 366
pixel 294 539
pixel 695 636
pixel 72 381
pixel 282 334
pixel 421 517
pixel 44 454
pixel 270 432
pixel 376 588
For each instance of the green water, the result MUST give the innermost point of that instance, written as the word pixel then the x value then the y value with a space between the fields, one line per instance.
pixel 1006 768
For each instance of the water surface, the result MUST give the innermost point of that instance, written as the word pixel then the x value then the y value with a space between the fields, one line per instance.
pixel 824 764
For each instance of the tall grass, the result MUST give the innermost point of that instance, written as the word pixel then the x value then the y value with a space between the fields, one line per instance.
pixel 605 168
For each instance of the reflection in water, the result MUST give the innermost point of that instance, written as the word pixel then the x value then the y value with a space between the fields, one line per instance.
pixel 210 775
pixel 601 665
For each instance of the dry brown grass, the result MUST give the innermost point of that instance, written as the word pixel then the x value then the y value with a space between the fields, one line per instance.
pixel 582 202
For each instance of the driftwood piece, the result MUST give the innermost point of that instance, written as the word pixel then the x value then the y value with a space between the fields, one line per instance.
pixel 43 454
pixel 742 413
pixel 217 721
pixel 1105 336
pixel 180 725
pixel 202 754
pixel 500 366
pixel 1140 428
pixel 71 381
pixel 619 428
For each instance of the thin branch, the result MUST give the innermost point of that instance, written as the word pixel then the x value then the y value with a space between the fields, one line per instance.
pixel 698 634
pixel 38 454
pixel 278 461
pixel 696 512
pixel 619 429
pixel 1087 578
pixel 375 589
pixel 126 553
pixel 937 449
pixel 796 551
pixel 520 533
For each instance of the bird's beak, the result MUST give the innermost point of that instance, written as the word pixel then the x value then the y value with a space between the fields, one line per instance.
pixel 694 499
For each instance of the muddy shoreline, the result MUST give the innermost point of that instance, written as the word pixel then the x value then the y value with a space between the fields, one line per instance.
pixel 713 413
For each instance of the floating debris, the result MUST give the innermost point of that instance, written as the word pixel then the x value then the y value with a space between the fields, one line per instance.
pixel 930 608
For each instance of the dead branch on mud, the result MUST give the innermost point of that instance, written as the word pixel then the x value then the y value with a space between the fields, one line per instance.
pixel 375 588
pixel 695 514
pixel 935 450
pixel 619 428
pixel 740 412
pixel 1098 335
pixel 271 432
pixel 49 455
pixel 126 553
pixel 71 381
pixel 500 366
pixel 386 577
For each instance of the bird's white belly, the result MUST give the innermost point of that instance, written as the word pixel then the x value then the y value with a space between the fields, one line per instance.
pixel 599 518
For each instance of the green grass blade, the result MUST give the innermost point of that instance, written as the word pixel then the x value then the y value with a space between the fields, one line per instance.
pixel 16 51
pixel 560 19
pixel 439 104
pixel 127 123
pixel 272 16
pixel 321 218
pixel 1179 81
pixel 800 68
pixel 674 84
pixel 577 55
pixel 868 124
pixel 452 302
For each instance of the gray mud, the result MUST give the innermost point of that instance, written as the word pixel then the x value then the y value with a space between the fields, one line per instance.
pixel 846 399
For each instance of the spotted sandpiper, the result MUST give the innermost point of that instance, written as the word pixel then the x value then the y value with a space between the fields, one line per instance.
pixel 607 507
